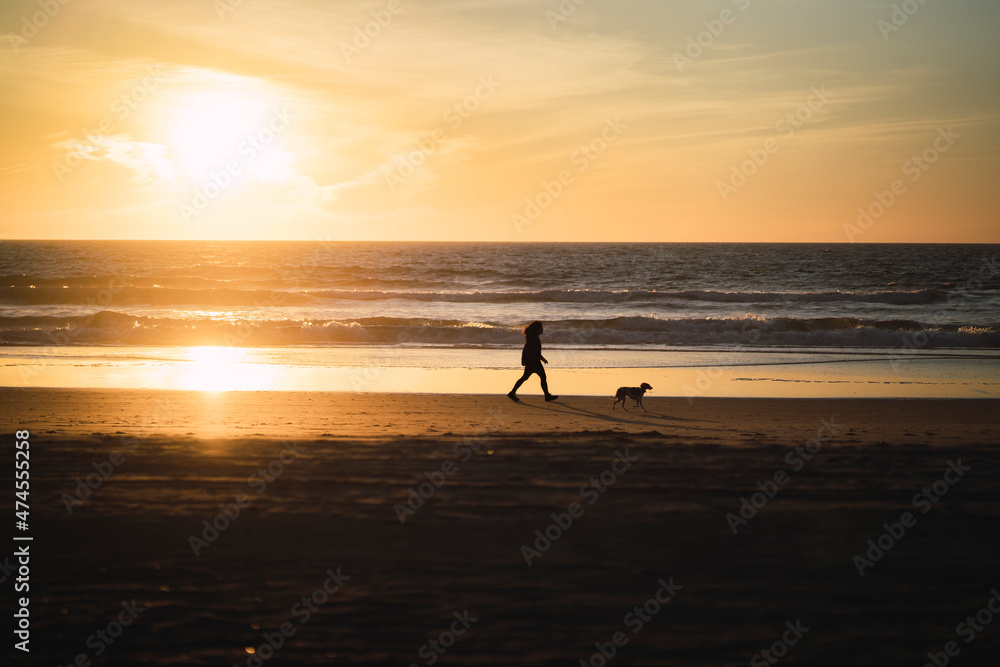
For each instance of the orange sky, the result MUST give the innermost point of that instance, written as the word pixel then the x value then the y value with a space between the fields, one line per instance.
pixel 731 120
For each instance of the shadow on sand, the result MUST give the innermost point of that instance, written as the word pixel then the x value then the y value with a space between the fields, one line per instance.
pixel 626 418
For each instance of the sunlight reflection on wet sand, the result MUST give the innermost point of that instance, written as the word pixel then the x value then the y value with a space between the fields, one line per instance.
pixel 213 369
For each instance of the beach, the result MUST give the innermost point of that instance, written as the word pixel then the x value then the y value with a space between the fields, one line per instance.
pixel 297 528
pixel 301 454
pixel 312 316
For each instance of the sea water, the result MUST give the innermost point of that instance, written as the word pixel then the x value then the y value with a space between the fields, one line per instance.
pixel 334 315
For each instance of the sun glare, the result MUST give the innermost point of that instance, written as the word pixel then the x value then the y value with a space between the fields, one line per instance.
pixel 214 369
pixel 213 129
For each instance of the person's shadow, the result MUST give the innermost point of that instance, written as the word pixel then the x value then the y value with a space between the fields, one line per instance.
pixel 574 410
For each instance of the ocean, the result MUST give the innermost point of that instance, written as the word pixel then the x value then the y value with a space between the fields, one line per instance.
pixel 462 305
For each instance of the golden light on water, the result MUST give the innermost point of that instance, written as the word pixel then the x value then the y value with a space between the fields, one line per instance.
pixel 218 369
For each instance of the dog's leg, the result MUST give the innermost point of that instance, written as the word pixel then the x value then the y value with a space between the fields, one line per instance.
pixel 641 405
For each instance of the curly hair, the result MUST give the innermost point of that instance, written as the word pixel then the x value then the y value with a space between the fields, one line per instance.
pixel 533 329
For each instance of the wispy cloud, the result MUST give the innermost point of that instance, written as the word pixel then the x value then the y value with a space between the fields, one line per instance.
pixel 369 87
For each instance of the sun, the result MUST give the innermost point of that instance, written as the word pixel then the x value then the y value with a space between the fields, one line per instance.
pixel 214 369
pixel 214 129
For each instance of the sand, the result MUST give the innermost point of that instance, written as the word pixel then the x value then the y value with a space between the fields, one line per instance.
pixel 322 482
pixel 307 415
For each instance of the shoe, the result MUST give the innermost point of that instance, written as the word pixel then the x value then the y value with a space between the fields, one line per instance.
pixel 512 396
pixel 550 397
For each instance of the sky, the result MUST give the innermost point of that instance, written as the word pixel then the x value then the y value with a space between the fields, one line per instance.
pixel 854 121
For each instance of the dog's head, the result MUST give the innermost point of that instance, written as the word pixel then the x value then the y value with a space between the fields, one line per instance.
pixel 645 387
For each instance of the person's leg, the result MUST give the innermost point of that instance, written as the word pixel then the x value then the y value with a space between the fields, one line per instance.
pixel 545 382
pixel 517 385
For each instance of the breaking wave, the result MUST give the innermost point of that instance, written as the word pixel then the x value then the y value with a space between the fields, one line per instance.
pixel 118 294
pixel 112 327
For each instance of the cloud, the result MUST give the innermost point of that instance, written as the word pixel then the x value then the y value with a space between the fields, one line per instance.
pixel 370 89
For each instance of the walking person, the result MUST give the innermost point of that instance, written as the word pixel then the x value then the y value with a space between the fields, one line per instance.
pixel 532 360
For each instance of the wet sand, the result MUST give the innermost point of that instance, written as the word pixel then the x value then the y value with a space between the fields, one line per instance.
pixel 392 513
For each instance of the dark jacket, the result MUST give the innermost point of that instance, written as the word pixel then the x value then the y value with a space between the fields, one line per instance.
pixel 531 355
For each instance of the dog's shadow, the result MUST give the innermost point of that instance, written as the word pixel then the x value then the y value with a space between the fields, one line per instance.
pixel 574 410
pixel 674 418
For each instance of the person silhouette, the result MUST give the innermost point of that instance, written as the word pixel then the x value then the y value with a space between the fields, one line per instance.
pixel 532 360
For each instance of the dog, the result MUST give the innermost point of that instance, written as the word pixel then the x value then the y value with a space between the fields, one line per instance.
pixel 635 393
